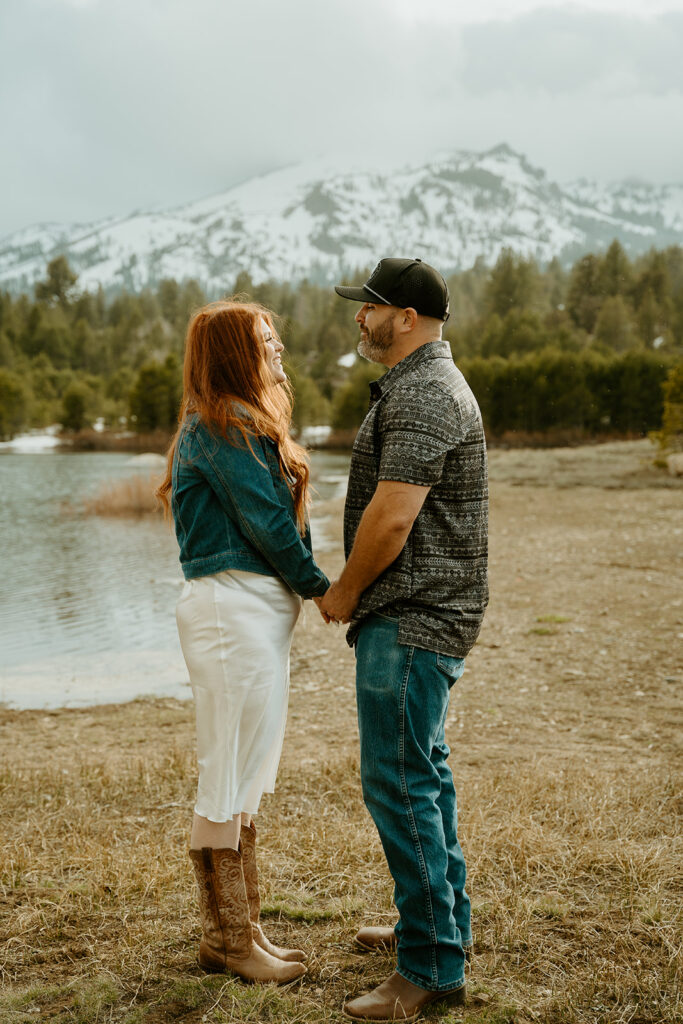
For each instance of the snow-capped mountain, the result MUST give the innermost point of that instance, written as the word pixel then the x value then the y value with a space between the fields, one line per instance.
pixel 324 222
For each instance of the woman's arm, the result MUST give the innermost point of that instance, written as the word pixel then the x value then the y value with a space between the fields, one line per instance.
pixel 244 486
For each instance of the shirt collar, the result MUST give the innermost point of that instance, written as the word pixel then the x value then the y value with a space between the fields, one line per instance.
pixel 431 350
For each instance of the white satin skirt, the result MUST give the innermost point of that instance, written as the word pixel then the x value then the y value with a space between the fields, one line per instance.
pixel 236 631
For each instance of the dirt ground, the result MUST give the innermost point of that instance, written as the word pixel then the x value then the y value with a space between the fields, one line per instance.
pixel 581 652
pixel 577 675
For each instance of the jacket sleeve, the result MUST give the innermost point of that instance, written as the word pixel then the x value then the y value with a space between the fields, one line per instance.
pixel 245 488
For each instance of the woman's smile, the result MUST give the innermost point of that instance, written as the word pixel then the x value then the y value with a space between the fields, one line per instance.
pixel 274 348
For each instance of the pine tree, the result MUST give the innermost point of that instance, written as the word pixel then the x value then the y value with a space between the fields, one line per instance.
pixel 615 274
pixel 74 403
pixel 614 326
pixel 168 295
pixel 155 395
pixel 13 401
pixel 583 295
pixel 58 286
pixel 513 284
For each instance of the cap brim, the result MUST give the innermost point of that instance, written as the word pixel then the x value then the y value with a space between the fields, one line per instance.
pixel 357 294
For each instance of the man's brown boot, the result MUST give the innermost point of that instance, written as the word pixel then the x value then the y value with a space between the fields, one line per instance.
pixel 227 943
pixel 378 936
pixel 248 850
pixel 397 999
pixel 381 936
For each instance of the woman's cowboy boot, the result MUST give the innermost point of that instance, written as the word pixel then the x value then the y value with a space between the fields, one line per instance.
pixel 248 850
pixel 227 943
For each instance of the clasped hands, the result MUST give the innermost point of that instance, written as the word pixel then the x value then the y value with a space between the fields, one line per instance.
pixel 338 603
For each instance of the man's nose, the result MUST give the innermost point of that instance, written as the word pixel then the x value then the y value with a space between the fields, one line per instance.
pixel 360 315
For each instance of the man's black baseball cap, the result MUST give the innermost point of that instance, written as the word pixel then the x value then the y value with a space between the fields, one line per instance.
pixel 403 283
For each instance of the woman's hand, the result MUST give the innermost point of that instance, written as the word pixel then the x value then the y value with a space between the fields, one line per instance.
pixel 319 601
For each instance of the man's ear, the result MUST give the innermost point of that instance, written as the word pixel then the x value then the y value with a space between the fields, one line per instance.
pixel 408 319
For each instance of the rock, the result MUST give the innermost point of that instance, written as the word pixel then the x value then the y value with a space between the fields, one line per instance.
pixel 674 464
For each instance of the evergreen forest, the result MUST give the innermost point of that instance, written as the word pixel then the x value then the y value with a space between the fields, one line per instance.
pixel 550 353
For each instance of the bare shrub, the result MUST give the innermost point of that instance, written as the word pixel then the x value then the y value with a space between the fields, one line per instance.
pixel 132 496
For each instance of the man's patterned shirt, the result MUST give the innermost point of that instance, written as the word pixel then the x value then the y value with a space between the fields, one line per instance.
pixel 424 427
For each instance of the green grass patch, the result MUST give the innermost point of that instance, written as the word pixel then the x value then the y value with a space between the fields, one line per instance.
pixel 190 993
pixel 309 908
pixel 298 912
pixel 136 1015
pixel 552 618
pixel 93 998
pixel 34 1003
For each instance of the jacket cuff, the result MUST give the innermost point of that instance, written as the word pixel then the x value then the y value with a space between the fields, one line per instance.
pixel 320 589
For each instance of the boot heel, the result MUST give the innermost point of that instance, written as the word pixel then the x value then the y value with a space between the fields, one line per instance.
pixel 458 997
pixel 208 961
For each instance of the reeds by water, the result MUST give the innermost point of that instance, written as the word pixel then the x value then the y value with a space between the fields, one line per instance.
pixel 131 496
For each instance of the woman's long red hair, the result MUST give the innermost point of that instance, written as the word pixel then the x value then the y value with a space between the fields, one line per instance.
pixel 225 374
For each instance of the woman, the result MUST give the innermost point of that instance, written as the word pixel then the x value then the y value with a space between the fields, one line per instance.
pixel 237 486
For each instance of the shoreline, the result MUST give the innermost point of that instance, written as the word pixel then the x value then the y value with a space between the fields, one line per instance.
pixel 338 441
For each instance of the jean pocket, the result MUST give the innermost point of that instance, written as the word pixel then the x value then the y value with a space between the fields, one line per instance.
pixel 451 667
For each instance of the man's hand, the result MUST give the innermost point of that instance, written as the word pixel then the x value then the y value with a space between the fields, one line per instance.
pixel 339 603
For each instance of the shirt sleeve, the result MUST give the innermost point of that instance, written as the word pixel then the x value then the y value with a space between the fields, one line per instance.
pixel 244 486
pixel 418 427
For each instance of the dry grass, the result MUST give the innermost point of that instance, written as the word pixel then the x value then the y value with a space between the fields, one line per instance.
pixel 575 875
pixel 566 748
pixel 131 496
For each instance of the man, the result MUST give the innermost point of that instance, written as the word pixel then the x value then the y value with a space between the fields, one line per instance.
pixel 414 590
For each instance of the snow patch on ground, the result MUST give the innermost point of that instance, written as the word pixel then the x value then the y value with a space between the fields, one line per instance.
pixel 36 441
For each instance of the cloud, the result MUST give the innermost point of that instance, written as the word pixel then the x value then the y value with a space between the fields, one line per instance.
pixel 153 102
pixel 570 51
pixel 112 105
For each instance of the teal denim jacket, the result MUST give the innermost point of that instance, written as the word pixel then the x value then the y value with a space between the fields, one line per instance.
pixel 232 509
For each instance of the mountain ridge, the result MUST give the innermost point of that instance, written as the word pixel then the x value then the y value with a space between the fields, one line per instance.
pixel 322 221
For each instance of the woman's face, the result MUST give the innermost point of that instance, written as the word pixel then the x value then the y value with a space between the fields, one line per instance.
pixel 273 348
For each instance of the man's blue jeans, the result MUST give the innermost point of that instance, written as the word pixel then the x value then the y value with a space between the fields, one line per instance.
pixel 402 694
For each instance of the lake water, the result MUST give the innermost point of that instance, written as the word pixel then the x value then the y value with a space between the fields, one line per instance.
pixel 87 603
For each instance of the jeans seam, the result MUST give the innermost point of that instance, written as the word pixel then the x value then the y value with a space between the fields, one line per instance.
pixel 424 877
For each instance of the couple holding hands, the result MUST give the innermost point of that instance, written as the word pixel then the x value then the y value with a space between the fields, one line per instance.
pixel 413 590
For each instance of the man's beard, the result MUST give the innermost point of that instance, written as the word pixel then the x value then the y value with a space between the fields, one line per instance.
pixel 375 344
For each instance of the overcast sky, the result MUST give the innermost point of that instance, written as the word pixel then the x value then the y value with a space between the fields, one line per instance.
pixel 108 106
